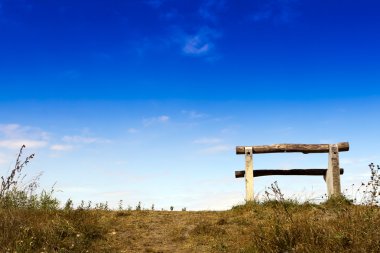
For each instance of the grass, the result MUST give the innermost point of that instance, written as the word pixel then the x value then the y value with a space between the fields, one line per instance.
pixel 255 227
pixel 31 222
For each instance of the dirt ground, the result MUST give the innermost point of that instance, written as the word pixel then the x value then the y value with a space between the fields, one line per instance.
pixel 168 231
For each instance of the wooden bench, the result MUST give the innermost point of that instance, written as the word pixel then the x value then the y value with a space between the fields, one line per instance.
pixel 331 175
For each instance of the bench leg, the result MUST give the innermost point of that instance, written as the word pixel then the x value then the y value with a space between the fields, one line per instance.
pixel 248 174
pixel 332 176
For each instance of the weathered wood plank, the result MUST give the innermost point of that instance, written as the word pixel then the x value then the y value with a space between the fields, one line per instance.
pixel 332 176
pixel 292 172
pixel 249 172
pixel 304 148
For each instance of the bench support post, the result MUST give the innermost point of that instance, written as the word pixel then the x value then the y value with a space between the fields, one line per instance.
pixel 332 176
pixel 248 174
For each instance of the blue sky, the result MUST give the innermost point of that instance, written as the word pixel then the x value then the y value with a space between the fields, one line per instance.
pixel 146 100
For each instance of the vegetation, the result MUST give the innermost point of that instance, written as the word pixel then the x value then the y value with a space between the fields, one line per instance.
pixel 35 222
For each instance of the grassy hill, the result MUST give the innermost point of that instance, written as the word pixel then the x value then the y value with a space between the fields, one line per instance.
pixel 273 226
pixel 31 222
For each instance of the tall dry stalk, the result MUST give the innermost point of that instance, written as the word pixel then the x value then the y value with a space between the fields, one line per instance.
pixel 14 179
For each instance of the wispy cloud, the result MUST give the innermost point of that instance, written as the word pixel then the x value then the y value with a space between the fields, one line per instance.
pixel 121 162
pixel 326 141
pixel 207 141
pixel 277 11
pixel 171 15
pixel 17 131
pixel 194 114
pixel 132 130
pixel 195 42
pixel 147 45
pixel 195 32
pixel 154 120
pixel 200 43
pixel 17 143
pixel 60 147
pixel 189 31
pixel 15 135
pixel 76 189
pixel 222 148
pixel 358 161
pixel 119 194
pixel 230 130
pixel 3 160
pixel 83 139
pixel 209 9
pixel 196 45
pixel 9 130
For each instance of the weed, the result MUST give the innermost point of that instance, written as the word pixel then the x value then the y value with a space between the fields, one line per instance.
pixel 102 206
pixel 34 223
pixel 138 207
pixel 69 205
pixel 10 183
pixel 81 206
pixel 15 193
pixel 370 191
pixel 120 205
pixel 279 199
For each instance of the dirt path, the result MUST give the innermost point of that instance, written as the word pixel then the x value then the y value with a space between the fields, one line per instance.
pixel 160 231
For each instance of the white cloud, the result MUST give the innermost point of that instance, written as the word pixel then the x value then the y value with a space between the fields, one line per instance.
pixel 358 161
pixel 171 15
pixel 163 118
pixel 198 44
pixel 217 149
pixel 207 141
pixel 154 120
pixel 16 131
pixel 76 189
pixel 277 11
pixel 17 143
pixel 119 194
pixel 196 41
pixel 60 147
pixel 229 130
pixel 326 141
pixel 209 8
pixel 16 135
pixel 9 130
pixel 3 160
pixel 194 114
pixel 83 139
pixel 121 162
pixel 133 130
pixel 78 139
